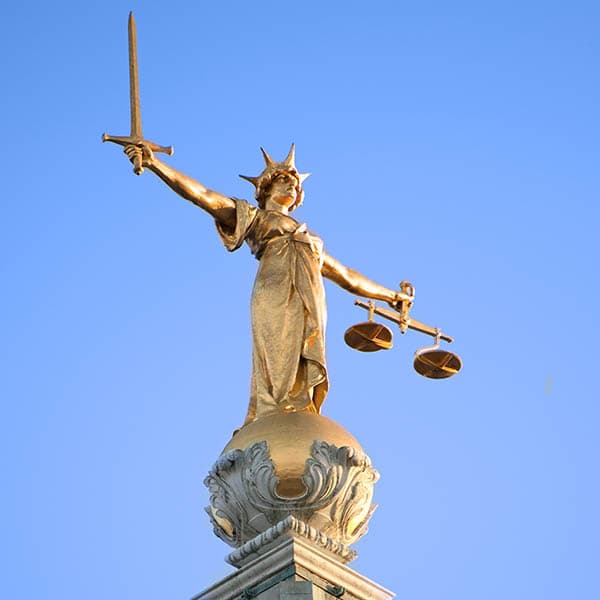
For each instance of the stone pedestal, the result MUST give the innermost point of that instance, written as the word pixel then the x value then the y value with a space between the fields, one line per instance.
pixel 294 568
pixel 291 493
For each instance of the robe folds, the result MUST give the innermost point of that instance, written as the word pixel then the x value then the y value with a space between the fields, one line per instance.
pixel 288 311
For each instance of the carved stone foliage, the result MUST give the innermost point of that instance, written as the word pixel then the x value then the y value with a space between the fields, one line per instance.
pixel 336 501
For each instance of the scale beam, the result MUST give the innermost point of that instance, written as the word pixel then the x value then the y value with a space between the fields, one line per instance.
pixel 410 323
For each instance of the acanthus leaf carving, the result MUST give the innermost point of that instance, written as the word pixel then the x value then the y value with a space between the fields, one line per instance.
pixel 337 500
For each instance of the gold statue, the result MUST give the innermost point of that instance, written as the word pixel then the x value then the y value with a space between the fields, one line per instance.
pixel 289 372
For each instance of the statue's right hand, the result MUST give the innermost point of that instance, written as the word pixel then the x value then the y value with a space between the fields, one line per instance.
pixel 140 154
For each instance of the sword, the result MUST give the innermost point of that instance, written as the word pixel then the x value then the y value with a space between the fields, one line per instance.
pixel 135 138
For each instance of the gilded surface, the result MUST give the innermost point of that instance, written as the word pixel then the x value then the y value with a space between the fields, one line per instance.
pixel 290 437
pixel 289 372
pixel 288 311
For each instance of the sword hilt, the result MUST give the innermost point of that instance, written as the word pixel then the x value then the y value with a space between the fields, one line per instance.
pixel 128 140
pixel 138 169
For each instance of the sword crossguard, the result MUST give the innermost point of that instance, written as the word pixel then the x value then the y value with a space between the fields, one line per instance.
pixel 128 140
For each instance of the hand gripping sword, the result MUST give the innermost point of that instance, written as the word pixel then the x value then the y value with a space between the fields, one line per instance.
pixel 135 138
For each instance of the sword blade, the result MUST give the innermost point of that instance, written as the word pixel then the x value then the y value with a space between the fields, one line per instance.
pixel 134 82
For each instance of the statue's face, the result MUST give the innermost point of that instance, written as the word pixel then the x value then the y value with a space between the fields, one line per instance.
pixel 283 190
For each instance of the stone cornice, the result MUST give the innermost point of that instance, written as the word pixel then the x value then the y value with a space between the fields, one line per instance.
pixel 308 562
pixel 289 527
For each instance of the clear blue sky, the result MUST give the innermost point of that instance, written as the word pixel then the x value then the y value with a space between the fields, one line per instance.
pixel 453 144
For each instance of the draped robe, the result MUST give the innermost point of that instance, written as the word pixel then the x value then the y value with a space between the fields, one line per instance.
pixel 288 310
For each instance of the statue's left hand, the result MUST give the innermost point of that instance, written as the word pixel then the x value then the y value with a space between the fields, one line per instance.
pixel 398 299
pixel 395 301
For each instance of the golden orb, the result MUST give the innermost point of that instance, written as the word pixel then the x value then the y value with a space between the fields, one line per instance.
pixel 290 437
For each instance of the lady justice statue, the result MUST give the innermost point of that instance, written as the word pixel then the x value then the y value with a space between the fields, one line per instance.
pixel 289 372
pixel 288 469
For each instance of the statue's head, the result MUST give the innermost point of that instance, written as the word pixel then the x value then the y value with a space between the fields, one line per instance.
pixel 281 174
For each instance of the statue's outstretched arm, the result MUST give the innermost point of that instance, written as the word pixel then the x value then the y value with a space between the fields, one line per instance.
pixel 358 284
pixel 220 207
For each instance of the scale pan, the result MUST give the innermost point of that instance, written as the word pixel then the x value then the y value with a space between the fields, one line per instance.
pixel 437 364
pixel 368 337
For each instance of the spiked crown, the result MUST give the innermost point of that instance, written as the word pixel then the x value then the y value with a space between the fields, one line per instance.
pixel 272 169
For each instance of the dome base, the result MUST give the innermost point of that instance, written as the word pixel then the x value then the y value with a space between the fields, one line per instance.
pixel 299 465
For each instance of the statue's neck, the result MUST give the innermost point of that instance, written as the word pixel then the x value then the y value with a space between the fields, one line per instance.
pixel 280 208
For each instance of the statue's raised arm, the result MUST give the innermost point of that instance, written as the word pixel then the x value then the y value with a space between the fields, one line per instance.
pixel 220 207
pixel 356 283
